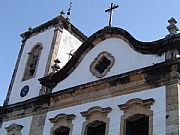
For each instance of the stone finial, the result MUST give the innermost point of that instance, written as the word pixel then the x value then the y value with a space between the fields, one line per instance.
pixel 56 66
pixel 30 29
pixel 57 61
pixel 172 28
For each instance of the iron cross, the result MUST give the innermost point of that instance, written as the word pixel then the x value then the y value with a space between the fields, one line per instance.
pixel 110 10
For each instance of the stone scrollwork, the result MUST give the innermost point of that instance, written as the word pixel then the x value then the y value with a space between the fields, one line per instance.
pixel 135 109
pixel 95 116
pixel 62 121
pixel 14 129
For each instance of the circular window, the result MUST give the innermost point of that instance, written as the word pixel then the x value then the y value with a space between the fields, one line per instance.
pixel 24 91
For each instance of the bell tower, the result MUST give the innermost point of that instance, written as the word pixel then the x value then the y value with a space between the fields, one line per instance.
pixel 43 48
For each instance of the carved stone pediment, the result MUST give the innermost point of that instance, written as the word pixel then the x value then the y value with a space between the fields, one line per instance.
pixel 134 108
pixel 62 116
pixel 14 126
pixel 136 102
pixel 62 120
pixel 95 109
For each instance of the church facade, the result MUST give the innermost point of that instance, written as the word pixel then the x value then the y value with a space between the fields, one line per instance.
pixel 65 83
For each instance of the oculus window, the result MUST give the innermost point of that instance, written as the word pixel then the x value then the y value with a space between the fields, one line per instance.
pixel 102 64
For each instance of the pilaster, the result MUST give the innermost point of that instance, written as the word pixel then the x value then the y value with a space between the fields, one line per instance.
pixel 172 109
pixel 37 124
pixel 53 53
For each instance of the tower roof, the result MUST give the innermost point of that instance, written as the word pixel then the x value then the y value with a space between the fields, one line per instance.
pixel 55 21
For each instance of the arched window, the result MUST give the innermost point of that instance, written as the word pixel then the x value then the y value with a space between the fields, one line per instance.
pixel 97 121
pixel 137 118
pixel 32 62
pixel 62 131
pixel 96 128
pixel 137 125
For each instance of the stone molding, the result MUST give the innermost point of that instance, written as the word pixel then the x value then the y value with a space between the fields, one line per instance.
pixel 97 60
pixel 62 120
pixel 145 103
pixel 135 81
pixel 52 23
pixel 14 126
pixel 54 47
pixel 61 116
pixel 14 129
pixel 154 48
pixel 52 54
pixel 135 107
pixel 96 109
pixel 96 113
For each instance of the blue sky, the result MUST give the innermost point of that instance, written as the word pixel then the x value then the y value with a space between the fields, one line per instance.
pixel 146 20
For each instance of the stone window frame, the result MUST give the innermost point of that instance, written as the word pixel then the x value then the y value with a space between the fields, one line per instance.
pixel 14 129
pixel 26 76
pixel 62 120
pixel 97 60
pixel 135 107
pixel 96 113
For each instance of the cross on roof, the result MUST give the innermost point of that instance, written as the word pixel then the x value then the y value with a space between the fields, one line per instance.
pixel 110 10
pixel 69 11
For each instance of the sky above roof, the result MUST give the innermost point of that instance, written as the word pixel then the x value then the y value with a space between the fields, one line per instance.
pixel 146 20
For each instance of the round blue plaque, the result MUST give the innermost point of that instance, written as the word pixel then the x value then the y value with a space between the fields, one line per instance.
pixel 24 91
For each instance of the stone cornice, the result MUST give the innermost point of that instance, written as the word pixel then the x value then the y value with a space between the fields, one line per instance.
pixel 145 103
pixel 158 75
pixel 94 109
pixel 62 115
pixel 59 20
pixel 14 126
pixel 156 48
pixel 25 108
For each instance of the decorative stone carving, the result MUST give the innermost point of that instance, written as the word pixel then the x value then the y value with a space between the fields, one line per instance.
pixel 136 107
pixel 14 129
pixel 96 114
pixel 56 66
pixel 94 109
pixel 62 120
pixel 172 28
pixel 102 64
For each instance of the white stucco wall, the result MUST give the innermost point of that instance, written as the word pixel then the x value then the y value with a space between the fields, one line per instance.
pixel 159 112
pixel 126 59
pixel 68 44
pixel 34 86
pixel 26 122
